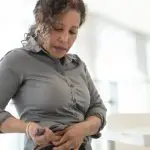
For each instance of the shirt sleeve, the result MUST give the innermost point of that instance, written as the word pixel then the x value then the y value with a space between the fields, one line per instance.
pixel 9 83
pixel 97 107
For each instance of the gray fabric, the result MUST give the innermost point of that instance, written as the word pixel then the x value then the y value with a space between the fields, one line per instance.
pixel 45 91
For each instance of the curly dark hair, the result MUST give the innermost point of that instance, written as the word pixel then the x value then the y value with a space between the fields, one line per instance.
pixel 46 12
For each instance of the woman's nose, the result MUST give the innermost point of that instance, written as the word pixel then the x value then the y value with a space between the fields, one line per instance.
pixel 64 37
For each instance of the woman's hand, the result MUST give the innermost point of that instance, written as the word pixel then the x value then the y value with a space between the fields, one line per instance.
pixel 44 139
pixel 72 139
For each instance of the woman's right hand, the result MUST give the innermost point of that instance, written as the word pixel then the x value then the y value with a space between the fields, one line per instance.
pixel 46 138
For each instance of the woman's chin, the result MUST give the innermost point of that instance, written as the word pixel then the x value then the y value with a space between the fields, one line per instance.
pixel 57 55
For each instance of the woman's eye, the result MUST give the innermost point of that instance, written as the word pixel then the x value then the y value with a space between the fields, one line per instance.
pixel 73 32
pixel 58 29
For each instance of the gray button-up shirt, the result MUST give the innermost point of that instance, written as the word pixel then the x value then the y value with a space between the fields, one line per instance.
pixel 44 90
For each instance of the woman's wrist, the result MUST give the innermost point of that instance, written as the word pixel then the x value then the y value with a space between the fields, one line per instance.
pixel 13 125
pixel 27 129
pixel 91 125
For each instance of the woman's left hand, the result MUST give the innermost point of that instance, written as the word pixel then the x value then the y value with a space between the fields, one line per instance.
pixel 72 139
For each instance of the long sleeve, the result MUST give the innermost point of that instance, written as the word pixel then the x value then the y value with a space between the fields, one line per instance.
pixel 97 108
pixel 9 83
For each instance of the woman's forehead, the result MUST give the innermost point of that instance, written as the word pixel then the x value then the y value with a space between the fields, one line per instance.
pixel 71 17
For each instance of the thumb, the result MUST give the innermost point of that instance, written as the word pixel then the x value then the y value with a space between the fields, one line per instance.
pixel 77 148
pixel 57 138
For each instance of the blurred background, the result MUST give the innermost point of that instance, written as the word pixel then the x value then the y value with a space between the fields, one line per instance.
pixel 114 42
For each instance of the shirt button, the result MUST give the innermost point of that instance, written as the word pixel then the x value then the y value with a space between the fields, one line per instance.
pixel 71 85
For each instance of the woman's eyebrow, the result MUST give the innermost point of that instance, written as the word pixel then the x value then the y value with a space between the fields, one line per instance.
pixel 76 27
pixel 60 23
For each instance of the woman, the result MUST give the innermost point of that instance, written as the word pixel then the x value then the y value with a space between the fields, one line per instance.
pixel 52 90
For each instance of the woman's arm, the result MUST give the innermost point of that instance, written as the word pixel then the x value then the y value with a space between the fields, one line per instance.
pixel 97 110
pixel 9 84
pixel 10 81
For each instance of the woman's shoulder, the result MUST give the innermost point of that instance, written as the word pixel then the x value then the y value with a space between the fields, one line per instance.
pixel 14 56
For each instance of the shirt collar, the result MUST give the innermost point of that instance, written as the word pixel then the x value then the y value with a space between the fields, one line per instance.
pixel 33 46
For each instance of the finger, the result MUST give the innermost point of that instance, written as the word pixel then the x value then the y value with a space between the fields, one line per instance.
pixel 44 147
pixel 61 141
pixel 40 140
pixel 50 136
pixel 57 138
pixel 65 146
pixel 60 133
pixel 33 128
pixel 40 131
pixel 76 148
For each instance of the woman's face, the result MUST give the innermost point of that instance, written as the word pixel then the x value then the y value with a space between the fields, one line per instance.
pixel 63 34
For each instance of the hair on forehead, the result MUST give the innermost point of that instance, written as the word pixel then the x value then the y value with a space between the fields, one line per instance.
pixel 46 10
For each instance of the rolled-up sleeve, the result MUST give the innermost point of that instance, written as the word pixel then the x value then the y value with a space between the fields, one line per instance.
pixel 9 83
pixel 97 107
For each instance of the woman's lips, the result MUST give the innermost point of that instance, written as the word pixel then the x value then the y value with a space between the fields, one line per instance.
pixel 59 49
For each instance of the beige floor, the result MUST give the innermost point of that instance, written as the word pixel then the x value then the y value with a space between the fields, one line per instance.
pixel 121 146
